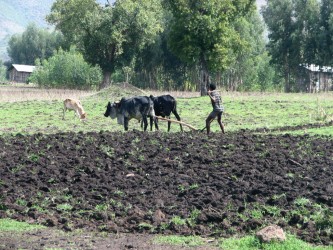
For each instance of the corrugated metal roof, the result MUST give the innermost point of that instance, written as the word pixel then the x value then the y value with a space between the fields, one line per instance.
pixel 24 68
pixel 317 68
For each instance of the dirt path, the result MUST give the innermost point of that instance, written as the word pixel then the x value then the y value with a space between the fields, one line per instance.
pixel 55 239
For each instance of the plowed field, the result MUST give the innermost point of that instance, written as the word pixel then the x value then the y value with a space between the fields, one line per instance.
pixel 170 183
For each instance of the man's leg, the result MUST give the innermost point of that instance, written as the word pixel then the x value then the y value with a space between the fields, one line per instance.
pixel 209 119
pixel 219 120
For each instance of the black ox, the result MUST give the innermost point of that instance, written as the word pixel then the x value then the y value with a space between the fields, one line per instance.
pixel 164 105
pixel 138 107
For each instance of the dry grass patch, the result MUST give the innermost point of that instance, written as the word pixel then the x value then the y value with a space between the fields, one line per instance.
pixel 19 93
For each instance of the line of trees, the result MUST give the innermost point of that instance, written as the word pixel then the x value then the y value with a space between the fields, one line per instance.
pixel 300 32
pixel 183 45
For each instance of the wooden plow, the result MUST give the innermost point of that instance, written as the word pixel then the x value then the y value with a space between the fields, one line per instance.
pixel 175 121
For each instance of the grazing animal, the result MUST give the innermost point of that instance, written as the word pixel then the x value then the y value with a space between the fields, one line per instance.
pixel 76 106
pixel 164 105
pixel 138 107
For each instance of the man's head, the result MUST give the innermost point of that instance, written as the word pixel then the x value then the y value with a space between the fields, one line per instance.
pixel 212 86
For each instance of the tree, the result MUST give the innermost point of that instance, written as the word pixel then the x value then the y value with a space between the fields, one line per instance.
pixel 157 67
pixel 2 72
pixel 66 70
pixel 33 43
pixel 325 38
pixel 202 34
pixel 250 66
pixel 307 14
pixel 109 36
pixel 278 15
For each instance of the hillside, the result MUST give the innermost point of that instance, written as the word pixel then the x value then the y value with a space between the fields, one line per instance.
pixel 15 15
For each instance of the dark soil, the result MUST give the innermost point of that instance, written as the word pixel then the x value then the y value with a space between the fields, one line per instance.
pixel 165 183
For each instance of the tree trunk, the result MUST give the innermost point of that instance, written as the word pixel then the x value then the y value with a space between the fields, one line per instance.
pixel 204 78
pixel 106 79
pixel 287 88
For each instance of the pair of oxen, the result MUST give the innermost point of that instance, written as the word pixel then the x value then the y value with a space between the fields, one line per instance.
pixel 142 107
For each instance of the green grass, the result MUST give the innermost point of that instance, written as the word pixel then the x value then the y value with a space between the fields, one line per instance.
pixel 252 111
pixel 244 243
pixel 252 243
pixel 190 241
pixel 13 225
pixel 242 111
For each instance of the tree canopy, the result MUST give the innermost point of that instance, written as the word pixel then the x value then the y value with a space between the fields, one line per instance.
pixel 34 43
pixel 202 33
pixel 107 35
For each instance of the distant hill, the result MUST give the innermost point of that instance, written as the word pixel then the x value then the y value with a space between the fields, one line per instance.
pixel 15 15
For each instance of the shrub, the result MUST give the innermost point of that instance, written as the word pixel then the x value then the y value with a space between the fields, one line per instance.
pixel 66 69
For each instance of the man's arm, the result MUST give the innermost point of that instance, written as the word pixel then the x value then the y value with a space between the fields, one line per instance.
pixel 211 97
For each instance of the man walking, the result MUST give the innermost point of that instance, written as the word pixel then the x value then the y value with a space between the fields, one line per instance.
pixel 217 107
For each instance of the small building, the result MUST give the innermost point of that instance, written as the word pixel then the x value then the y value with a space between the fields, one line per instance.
pixel 314 78
pixel 20 73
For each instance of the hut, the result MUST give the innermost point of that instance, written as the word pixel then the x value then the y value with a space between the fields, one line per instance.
pixel 20 73
pixel 313 78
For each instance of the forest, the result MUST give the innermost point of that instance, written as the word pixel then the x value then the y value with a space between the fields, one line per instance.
pixel 178 45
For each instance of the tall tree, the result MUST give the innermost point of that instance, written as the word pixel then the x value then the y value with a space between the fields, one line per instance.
pixel 34 43
pixel 307 14
pixel 202 34
pixel 278 15
pixel 109 36
pixel 251 59
pixel 325 40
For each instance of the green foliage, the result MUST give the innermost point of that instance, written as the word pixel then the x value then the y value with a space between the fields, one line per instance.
pixel 178 221
pixel 190 241
pixel 12 225
pixel 250 69
pixel 252 243
pixel 325 34
pixel 278 16
pixel 67 70
pixel 108 36
pixel 202 33
pixel 64 207
pixel 34 43
pixel 2 73
pixel 300 32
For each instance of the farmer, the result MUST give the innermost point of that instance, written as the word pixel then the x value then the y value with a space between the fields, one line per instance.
pixel 217 107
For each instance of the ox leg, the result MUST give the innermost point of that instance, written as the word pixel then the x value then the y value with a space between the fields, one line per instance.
pixel 178 118
pixel 156 123
pixel 126 123
pixel 151 120
pixel 169 124
pixel 145 122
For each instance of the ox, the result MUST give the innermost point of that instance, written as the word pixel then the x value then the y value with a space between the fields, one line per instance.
pixel 138 107
pixel 76 106
pixel 164 105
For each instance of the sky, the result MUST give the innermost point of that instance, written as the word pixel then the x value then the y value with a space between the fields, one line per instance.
pixel 260 2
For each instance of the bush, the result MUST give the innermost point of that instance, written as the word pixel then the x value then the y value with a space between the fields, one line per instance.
pixel 2 73
pixel 66 70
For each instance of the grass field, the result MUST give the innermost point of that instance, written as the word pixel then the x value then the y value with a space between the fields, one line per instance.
pixel 30 110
